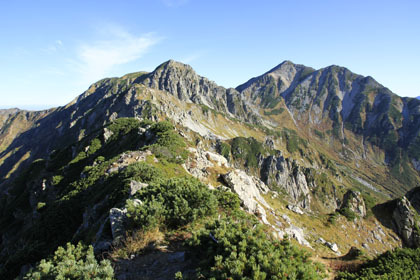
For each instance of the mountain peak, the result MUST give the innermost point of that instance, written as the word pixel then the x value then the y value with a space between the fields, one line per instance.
pixel 284 65
pixel 173 64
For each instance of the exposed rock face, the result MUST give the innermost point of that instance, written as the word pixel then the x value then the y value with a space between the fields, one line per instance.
pixel 354 201
pixel 286 174
pixel 248 189
pixel 117 219
pixel 182 81
pixel 406 220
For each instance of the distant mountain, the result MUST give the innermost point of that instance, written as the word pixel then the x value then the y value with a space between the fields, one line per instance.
pixel 352 113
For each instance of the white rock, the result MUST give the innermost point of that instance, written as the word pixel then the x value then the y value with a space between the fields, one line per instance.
pixel 286 218
pixel 298 234
pixel 136 186
pixel 248 189
pixel 332 246
pixel 294 208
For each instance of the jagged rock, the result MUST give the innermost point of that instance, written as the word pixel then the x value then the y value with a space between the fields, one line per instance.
pixel 288 175
pixel 295 208
pixel 248 189
pixel 405 219
pixel 117 219
pixel 354 201
pixel 136 186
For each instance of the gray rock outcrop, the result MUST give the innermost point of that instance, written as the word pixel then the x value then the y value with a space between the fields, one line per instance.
pixel 353 200
pixel 117 219
pixel 288 175
pixel 199 160
pixel 407 222
pixel 248 189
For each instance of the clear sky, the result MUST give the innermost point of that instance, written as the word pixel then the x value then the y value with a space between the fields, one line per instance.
pixel 51 51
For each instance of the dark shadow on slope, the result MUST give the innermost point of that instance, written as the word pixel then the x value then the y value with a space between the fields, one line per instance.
pixel 383 213
pixel 156 265
pixel 64 126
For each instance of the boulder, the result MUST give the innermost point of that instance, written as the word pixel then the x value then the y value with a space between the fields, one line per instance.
pixel 354 201
pixel 332 246
pixel 407 222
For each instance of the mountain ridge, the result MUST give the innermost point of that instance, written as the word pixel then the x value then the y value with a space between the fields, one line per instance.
pixel 330 100
pixel 314 144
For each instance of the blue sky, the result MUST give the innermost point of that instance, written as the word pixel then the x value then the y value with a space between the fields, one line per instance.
pixel 51 51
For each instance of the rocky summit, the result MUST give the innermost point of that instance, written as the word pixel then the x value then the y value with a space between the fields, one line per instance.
pixel 153 169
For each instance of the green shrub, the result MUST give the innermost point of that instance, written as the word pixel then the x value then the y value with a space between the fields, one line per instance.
pixel 94 146
pixel 72 263
pixel 397 264
pixel 227 200
pixel 274 112
pixel 229 249
pixel 40 205
pixel 247 150
pixel 348 213
pixel 143 172
pixel 224 149
pixel 56 180
pixel 169 145
pixel 122 126
pixel 173 203
pixel 332 218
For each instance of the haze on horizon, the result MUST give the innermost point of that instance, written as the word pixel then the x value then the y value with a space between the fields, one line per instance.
pixel 52 51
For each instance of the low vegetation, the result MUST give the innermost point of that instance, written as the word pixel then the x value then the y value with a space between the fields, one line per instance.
pixel 72 262
pixel 240 249
pixel 402 264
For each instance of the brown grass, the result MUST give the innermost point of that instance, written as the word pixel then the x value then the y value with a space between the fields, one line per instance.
pixel 139 241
